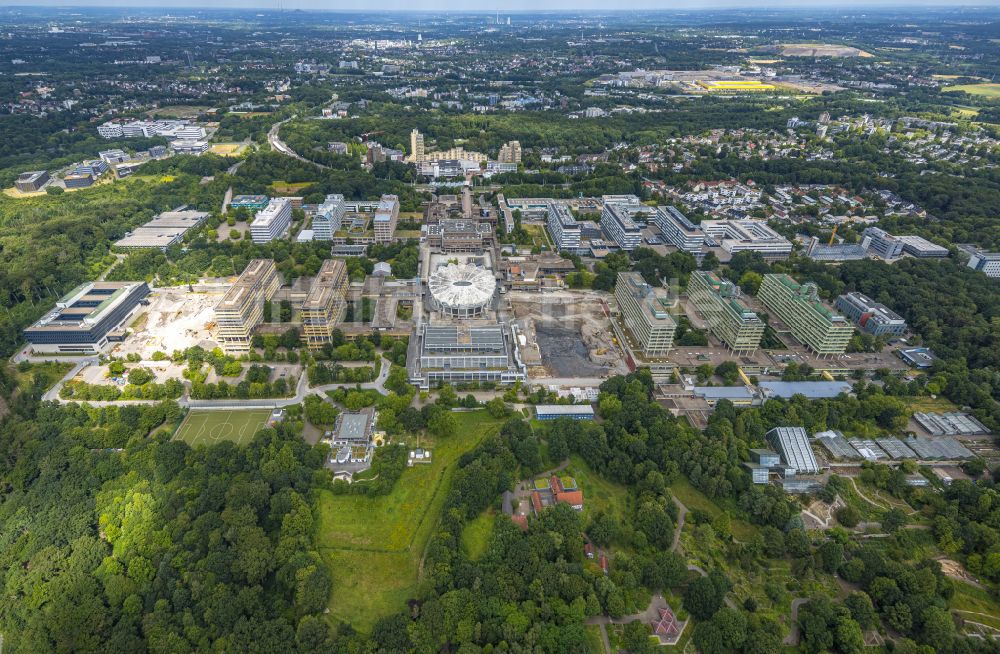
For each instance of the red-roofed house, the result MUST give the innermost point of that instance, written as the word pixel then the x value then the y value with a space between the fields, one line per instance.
pixel 536 502
pixel 521 521
pixel 666 627
pixel 573 498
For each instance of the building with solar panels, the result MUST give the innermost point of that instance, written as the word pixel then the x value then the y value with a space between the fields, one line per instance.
pixel 452 354
pixel 792 443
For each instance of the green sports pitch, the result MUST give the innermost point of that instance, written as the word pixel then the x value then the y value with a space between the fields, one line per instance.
pixel 210 427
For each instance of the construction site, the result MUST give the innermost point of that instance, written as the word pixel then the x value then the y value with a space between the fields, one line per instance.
pixel 571 328
pixel 175 319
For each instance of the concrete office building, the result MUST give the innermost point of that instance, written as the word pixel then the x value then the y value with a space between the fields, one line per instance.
pixel 329 217
pixel 798 306
pixel 881 243
pixel 644 311
pixel 563 228
pixel 455 235
pixel 31 181
pixel 618 226
pixel 679 231
pixel 271 221
pixel 986 262
pixel 416 145
pixel 746 236
pixel 325 303
pixel 87 319
pixel 729 319
pixel 242 307
pixel 451 354
pixel 386 216
pixel 870 316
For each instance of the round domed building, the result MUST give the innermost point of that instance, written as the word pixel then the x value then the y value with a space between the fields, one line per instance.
pixel 462 290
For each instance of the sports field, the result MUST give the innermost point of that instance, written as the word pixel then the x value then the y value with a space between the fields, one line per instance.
pixel 991 91
pixel 210 427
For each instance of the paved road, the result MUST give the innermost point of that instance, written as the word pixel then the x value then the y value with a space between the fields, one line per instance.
pixel 280 146
pixel 793 635
pixel 681 517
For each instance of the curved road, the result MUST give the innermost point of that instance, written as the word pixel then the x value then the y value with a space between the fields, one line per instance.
pixel 280 146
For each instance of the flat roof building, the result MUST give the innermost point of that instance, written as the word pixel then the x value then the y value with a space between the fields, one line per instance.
pixel 870 316
pixel 329 217
pixel 746 236
pixel 353 428
pixel 617 224
pixel 31 181
pixel 679 231
pixel 921 248
pixel 881 243
pixel 271 221
pixel 453 353
pixel 798 306
pixel 571 411
pixel 793 445
pixel 563 227
pixel 87 319
pixel 918 357
pixel 812 390
pixel 162 231
pixel 325 303
pixel 986 262
pixel 241 309
pixel 645 312
pixel 249 201
pixel 728 318
pixel 386 216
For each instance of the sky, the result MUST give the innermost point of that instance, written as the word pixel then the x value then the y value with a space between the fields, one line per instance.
pixel 507 5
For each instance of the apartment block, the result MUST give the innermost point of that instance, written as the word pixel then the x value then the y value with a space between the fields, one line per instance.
pixel 510 153
pixel 325 303
pixel 271 221
pixel 644 310
pixel 241 309
pixel 386 216
pixel 619 227
pixel 798 306
pixel 870 316
pixel 729 319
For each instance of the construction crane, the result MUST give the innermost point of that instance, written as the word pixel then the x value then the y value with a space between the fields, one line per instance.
pixel 833 234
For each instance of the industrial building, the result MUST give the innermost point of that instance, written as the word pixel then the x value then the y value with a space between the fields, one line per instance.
pixel 571 411
pixel 986 262
pixel 645 312
pixel 617 225
pixel 798 306
pixel 728 319
pixel 242 307
pixel 87 319
pixel 329 217
pixel 162 231
pixel 679 231
pixel 31 181
pixel 324 305
pixel 792 443
pixel 746 236
pixel 386 216
pixel 450 354
pixel 563 228
pixel 271 221
pixel 870 316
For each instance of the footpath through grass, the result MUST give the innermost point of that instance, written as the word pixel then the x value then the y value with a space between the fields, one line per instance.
pixel 374 545
pixel 694 499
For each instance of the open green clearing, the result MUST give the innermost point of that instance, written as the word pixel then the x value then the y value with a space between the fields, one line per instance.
pixel 975 605
pixel 374 545
pixel 930 404
pixel 991 91
pixel 49 372
pixel 211 427
pixel 694 499
pixel 594 640
pixel 599 494
pixel 476 535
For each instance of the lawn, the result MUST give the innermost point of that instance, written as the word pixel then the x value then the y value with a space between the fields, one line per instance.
pixel 693 499
pixel 210 427
pixel 931 404
pixel 476 535
pixel 976 605
pixel 594 639
pixel 374 545
pixel 50 372
pixel 599 494
pixel 991 91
